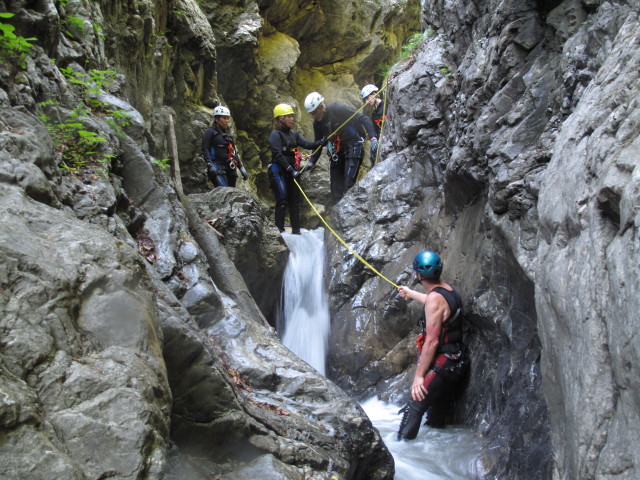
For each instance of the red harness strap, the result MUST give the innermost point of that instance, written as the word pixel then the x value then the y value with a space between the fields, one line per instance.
pixel 231 156
pixel 336 143
pixel 438 363
pixel 298 158
pixel 380 120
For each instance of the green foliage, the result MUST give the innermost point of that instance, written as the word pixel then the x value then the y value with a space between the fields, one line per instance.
pixel 63 3
pixel 75 144
pixel 13 47
pixel 407 50
pixel 413 42
pixel 99 32
pixel 163 163
pixel 445 71
pixel 72 27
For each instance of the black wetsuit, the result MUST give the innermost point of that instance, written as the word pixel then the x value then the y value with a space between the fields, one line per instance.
pixel 347 144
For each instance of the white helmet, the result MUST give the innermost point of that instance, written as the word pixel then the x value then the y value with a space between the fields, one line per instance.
pixel 313 101
pixel 221 111
pixel 368 90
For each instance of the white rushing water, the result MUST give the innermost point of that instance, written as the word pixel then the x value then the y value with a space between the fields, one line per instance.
pixel 304 317
pixel 451 453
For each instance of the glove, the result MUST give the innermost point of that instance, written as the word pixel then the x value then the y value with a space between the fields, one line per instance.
pixel 292 172
pixel 374 151
pixel 243 172
pixel 211 172
pixel 323 142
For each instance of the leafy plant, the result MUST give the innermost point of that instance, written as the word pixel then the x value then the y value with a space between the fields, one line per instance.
pixel 409 47
pixel 12 46
pixel 72 24
pixel 445 71
pixel 163 163
pixel 75 144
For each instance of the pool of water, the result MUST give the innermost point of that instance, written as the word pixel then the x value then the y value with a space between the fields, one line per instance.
pixel 452 453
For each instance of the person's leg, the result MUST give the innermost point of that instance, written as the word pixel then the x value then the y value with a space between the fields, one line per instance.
pixel 294 198
pixel 336 175
pixel 279 189
pixel 352 165
pixel 414 410
pixel 232 178
pixel 219 177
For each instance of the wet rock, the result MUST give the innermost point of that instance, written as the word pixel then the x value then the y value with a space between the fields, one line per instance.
pixel 251 240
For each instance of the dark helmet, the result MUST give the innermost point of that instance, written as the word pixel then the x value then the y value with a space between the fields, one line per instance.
pixel 428 264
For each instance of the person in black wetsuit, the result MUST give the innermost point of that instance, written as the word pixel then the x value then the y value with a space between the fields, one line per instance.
pixel 345 148
pixel 443 360
pixel 286 166
pixel 219 151
pixel 370 95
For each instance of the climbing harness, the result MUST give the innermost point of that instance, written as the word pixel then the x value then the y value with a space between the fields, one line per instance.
pixel 231 155
pixel 298 158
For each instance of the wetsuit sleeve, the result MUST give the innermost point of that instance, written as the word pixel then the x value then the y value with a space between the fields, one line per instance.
pixel 304 143
pixel 344 113
pixel 317 132
pixel 275 142
pixel 366 123
pixel 207 141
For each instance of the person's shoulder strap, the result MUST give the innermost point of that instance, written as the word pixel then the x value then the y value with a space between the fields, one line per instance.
pixel 451 296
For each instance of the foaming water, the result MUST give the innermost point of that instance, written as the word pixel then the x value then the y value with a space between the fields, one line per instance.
pixel 452 453
pixel 303 320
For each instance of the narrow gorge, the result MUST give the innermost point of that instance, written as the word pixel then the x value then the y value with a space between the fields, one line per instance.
pixel 138 305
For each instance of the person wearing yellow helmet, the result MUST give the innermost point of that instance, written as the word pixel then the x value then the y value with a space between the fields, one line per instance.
pixel 219 151
pixel 285 166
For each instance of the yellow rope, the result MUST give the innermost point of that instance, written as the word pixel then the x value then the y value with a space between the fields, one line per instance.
pixel 353 252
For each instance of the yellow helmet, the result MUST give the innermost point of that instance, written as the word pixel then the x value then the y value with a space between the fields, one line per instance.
pixel 282 109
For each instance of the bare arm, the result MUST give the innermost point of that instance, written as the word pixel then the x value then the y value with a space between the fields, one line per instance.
pixel 406 292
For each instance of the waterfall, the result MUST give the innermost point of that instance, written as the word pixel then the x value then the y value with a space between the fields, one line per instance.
pixel 303 319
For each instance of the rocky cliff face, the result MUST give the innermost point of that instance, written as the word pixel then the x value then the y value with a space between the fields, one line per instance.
pixel 512 148
pixel 133 340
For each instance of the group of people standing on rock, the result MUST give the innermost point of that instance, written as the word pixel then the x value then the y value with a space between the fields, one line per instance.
pixel 337 127
pixel 442 358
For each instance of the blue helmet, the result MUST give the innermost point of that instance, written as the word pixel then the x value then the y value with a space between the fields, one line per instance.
pixel 428 264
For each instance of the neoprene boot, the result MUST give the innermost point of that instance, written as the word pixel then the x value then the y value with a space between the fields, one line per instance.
pixel 411 418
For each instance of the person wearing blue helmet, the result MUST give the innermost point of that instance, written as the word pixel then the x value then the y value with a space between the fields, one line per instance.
pixel 442 358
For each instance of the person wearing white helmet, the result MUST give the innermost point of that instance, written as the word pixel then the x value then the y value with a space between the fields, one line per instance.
pixel 285 165
pixel 370 95
pixel 219 151
pixel 345 146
